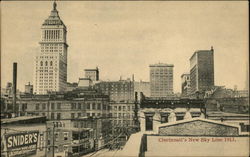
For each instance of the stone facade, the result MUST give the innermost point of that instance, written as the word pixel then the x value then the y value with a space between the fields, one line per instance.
pixel 50 67
pixel 199 127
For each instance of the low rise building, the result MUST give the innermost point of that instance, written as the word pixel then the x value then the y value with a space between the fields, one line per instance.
pixel 13 130
pixel 66 140
pixel 60 106
pixel 153 112
pixel 101 126
pixel 84 83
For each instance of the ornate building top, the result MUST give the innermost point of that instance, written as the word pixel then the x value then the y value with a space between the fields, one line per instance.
pixel 54 18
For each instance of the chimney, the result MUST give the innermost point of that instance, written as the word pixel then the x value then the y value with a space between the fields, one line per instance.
pixel 14 87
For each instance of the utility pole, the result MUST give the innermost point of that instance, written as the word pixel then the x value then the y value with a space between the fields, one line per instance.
pixel 14 85
pixel 53 147
pixel 136 110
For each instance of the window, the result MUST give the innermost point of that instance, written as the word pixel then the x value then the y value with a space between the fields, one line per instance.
pixel 44 106
pixel 46 63
pixel 79 105
pixel 41 63
pixel 99 106
pixel 88 105
pixel 37 106
pixel 72 106
pixel 56 136
pixel 52 106
pixel 51 63
pixel 72 115
pixel 58 115
pixel 124 108
pixel 120 108
pixel 79 114
pixel 65 135
pixel 58 105
pixel 93 106
pixel 52 116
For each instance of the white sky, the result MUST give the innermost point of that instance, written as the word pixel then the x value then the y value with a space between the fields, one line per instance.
pixel 123 38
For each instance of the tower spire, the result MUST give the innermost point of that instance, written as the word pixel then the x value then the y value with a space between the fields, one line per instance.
pixel 54 5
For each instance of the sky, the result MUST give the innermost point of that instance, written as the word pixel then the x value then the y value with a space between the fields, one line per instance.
pixel 123 37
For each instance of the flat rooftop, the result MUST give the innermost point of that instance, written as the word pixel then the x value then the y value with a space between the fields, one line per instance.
pixel 161 65
pixel 21 118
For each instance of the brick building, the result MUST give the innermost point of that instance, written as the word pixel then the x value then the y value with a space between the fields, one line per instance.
pixel 60 106
pixel 119 91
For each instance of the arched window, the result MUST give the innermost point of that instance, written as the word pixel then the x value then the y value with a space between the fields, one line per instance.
pixel 46 63
pixel 41 63
pixel 51 63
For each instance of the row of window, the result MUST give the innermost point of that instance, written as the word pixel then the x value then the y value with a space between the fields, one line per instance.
pixel 46 63
pixel 43 106
pixel 51 50
pixel 122 115
pixel 46 47
pixel 92 106
pixel 124 108
pixel 52 34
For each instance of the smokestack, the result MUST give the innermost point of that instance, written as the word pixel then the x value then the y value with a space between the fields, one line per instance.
pixel 14 87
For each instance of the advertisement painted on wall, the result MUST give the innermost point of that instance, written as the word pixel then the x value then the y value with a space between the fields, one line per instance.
pixel 22 143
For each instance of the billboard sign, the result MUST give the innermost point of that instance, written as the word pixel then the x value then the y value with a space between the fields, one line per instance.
pixel 21 143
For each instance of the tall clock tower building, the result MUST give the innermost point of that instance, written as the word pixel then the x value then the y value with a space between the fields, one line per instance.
pixel 50 70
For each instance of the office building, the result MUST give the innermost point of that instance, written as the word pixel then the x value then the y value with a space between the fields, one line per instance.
pixel 161 80
pixel 50 73
pixel 119 91
pixel 92 74
pixel 202 71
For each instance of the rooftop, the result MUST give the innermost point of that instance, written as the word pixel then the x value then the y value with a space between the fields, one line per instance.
pixel 161 65
pixel 18 119
pixel 54 18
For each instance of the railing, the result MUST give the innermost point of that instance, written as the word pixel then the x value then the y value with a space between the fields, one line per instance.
pixel 172 104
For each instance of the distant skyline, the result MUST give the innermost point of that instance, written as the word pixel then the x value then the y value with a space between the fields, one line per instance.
pixel 124 38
